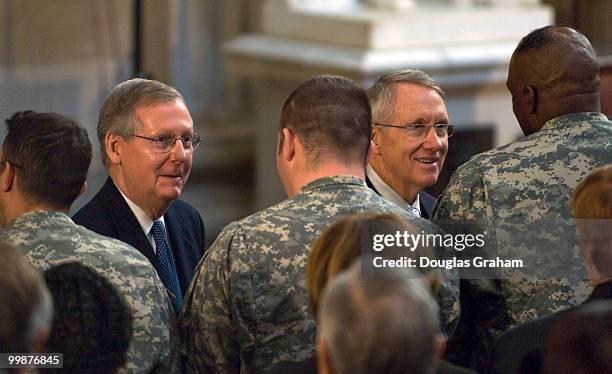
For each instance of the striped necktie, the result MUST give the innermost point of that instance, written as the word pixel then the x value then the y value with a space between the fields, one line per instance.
pixel 168 273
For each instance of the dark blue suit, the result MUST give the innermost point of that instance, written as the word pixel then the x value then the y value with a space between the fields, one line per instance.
pixel 108 214
pixel 426 201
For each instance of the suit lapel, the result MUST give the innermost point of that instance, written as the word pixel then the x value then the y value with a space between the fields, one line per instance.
pixel 126 224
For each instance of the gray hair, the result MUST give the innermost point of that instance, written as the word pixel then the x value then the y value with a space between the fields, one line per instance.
pixel 388 322
pixel 382 93
pixel 117 113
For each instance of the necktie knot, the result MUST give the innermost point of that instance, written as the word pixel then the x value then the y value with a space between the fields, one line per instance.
pixel 158 231
pixel 414 211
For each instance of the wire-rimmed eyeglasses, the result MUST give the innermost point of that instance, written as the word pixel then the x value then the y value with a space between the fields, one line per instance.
pixel 420 130
pixel 165 143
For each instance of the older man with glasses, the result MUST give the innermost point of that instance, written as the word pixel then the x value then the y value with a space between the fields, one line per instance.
pixel 407 155
pixel 139 129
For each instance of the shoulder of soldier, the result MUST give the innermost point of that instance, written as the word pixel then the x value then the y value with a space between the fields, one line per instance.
pixel 115 252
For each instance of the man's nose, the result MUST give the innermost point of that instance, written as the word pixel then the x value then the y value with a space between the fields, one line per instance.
pixel 178 150
pixel 433 141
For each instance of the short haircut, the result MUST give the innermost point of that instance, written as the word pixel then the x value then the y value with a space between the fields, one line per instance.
pixel 92 324
pixel 581 341
pixel 536 39
pixel 332 117
pixel 343 241
pixel 380 324
pixel 566 49
pixel 383 91
pixel 26 308
pixel 51 155
pixel 591 204
pixel 117 113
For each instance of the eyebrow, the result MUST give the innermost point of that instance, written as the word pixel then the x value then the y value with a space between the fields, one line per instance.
pixel 423 122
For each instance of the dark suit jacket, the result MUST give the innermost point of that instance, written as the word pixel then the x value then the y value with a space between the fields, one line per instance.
pixel 426 201
pixel 523 346
pixel 108 214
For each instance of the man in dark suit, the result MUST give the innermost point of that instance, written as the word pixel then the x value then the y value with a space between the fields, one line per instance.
pixel 147 141
pixel 409 138
pixel 521 349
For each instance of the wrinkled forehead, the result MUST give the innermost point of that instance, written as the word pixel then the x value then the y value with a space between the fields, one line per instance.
pixel 163 113
pixel 415 102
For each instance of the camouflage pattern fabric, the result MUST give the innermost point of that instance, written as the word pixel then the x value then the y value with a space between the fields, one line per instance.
pixel 50 238
pixel 247 309
pixel 527 181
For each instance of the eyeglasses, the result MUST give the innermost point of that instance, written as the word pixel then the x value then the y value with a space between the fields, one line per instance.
pixel 420 131
pixel 165 143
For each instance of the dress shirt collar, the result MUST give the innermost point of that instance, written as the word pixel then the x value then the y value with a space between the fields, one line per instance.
pixel 146 223
pixel 389 193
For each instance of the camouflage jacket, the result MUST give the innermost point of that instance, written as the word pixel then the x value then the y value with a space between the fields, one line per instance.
pixel 247 308
pixel 49 238
pixel 528 183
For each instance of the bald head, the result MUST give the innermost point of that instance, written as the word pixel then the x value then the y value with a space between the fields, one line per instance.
pixel 553 71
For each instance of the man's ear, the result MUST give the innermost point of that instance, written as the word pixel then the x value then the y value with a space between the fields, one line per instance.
pixel 375 148
pixel 83 188
pixel 370 152
pixel 38 344
pixel 288 151
pixel 7 177
pixel 113 147
pixel 440 345
pixel 324 363
pixel 531 96
pixel 589 264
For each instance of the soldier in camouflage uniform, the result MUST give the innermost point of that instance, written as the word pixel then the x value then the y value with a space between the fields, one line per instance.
pixel 247 308
pixel 45 158
pixel 554 82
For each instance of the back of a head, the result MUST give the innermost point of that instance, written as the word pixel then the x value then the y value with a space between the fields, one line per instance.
pixel 117 112
pixel 26 308
pixel 342 242
pixel 591 205
pixel 561 65
pixel 581 342
pixel 383 324
pixel 48 149
pixel 332 117
pixel 92 324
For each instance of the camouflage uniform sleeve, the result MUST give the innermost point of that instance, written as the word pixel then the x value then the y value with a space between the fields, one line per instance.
pixel 483 309
pixel 465 196
pixel 205 322
pixel 171 362
pixel 448 300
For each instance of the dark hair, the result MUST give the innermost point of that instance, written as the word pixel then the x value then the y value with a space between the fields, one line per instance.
pixel 536 39
pixel 51 155
pixel 117 113
pixel 331 115
pixel 92 324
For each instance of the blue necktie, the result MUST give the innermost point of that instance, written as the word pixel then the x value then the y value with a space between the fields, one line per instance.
pixel 167 270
